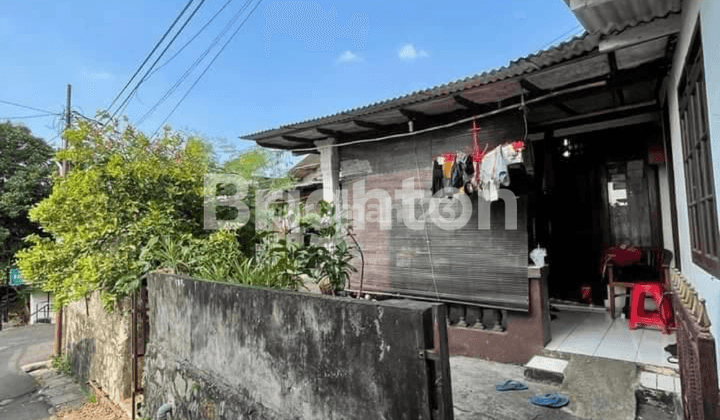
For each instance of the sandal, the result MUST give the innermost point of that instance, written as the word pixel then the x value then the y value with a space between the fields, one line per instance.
pixel 511 385
pixel 553 400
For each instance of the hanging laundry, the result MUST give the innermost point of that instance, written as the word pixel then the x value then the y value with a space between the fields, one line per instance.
pixel 458 170
pixel 447 167
pixel 490 168
pixel 493 169
pixel 437 177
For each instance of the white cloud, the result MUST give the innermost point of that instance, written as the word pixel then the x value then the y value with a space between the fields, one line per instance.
pixel 409 52
pixel 348 57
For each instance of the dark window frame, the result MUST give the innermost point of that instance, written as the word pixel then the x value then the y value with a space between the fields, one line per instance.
pixel 697 160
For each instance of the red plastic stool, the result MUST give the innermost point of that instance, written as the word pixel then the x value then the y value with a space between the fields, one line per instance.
pixel 638 316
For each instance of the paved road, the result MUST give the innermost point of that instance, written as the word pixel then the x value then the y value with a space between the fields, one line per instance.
pixel 18 347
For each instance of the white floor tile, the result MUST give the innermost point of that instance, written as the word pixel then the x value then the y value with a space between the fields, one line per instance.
pixel 620 343
pixel 648 380
pixel 665 383
pixel 563 326
pixel 652 347
pixel 586 337
pixel 596 334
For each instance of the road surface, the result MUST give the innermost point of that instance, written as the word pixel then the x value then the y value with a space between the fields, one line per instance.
pixel 18 347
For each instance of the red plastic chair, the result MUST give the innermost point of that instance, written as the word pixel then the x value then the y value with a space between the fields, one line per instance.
pixel 663 318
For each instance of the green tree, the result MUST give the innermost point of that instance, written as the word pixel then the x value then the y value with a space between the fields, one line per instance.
pixel 25 170
pixel 123 192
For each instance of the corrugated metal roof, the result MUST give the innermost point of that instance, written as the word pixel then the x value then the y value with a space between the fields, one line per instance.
pixel 563 51
pixel 607 16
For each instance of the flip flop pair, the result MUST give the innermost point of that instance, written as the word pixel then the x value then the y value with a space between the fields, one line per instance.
pixel 510 385
pixel 553 400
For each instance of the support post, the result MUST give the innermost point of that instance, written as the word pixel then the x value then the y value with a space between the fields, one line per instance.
pixel 330 168
pixel 68 124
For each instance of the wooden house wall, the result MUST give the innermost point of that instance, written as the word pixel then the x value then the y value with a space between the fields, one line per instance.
pixel 469 265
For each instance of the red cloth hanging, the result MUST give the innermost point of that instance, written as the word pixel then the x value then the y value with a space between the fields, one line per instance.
pixel 518 145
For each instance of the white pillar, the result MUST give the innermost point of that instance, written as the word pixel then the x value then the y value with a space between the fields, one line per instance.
pixel 330 168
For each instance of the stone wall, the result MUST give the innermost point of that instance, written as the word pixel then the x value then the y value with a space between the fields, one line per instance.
pixel 219 351
pixel 98 345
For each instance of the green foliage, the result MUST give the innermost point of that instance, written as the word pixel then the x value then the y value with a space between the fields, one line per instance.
pixel 332 255
pixel 122 193
pixel 25 170
pixel 131 205
pixel 62 364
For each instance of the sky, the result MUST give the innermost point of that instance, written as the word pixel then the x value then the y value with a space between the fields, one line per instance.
pixel 290 61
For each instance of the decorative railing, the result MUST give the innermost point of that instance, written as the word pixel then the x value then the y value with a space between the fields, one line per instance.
pixel 696 351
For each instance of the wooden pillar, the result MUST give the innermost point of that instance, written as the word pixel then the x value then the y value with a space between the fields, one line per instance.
pixel 330 168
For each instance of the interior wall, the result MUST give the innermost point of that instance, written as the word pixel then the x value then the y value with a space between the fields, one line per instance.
pixel 709 11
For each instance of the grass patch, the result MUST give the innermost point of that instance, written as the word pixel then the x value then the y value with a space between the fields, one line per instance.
pixel 62 364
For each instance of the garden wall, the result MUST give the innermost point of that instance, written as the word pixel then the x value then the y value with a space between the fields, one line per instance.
pixel 219 351
pixel 97 344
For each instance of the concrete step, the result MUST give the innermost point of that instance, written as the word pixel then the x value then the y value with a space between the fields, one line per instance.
pixel 546 369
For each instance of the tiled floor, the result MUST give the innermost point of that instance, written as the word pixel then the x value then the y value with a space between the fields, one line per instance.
pixel 596 334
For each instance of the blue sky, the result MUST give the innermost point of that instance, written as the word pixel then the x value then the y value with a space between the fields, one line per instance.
pixel 293 60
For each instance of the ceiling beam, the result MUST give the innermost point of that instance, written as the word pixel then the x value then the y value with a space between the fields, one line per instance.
pixel 279 146
pixel 617 93
pixel 596 116
pixel 297 139
pixel 414 115
pixel 534 90
pixel 330 133
pixel 472 105
pixel 370 125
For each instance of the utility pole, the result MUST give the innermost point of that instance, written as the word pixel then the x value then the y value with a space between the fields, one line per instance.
pixel 65 168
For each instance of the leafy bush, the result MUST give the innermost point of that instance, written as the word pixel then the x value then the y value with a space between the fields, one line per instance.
pixel 130 205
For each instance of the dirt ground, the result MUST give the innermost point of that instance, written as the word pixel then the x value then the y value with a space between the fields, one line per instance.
pixel 90 411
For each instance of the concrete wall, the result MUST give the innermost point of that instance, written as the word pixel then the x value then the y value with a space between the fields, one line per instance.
pixel 709 11
pixel 525 334
pixel 98 345
pixel 220 351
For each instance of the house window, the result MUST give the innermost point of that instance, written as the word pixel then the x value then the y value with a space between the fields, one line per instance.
pixel 698 163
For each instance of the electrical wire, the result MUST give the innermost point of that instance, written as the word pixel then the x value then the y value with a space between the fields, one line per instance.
pixel 207 68
pixel 454 123
pixel 147 58
pixel 28 107
pixel 197 62
pixel 88 118
pixel 29 116
pixel 192 38
pixel 564 34
pixel 169 44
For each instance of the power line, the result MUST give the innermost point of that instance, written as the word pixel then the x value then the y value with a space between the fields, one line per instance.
pixel 51 114
pixel 192 38
pixel 87 118
pixel 28 107
pixel 207 68
pixel 147 58
pixel 145 76
pixel 197 62
pixel 564 34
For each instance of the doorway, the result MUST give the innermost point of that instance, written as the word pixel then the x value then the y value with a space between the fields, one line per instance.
pixel 599 191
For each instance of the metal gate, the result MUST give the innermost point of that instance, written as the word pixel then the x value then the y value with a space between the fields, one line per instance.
pixel 696 352
pixel 138 337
